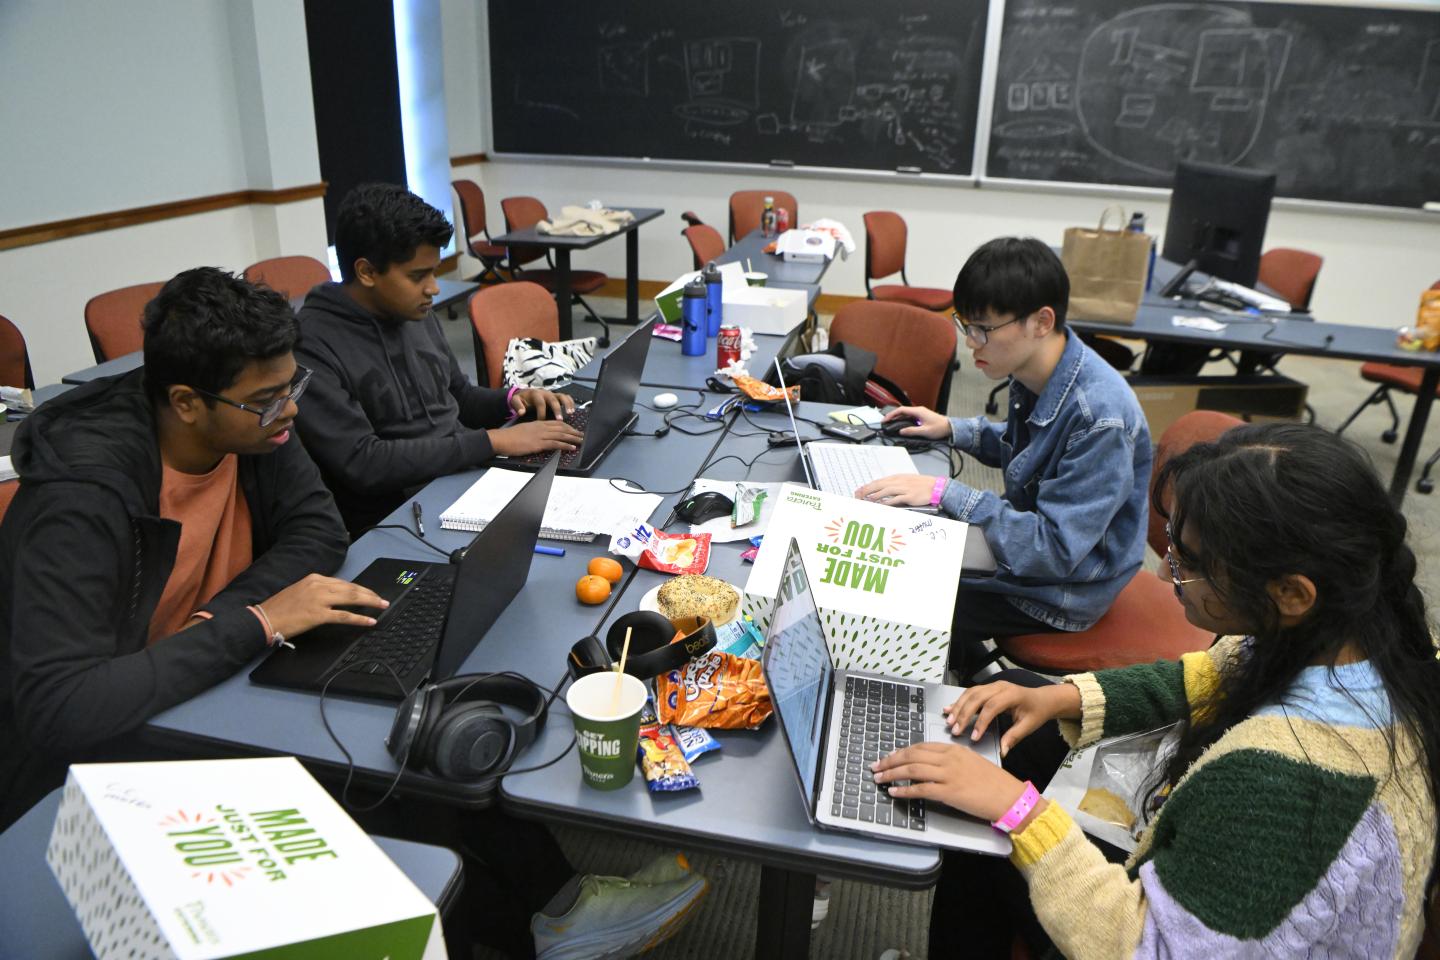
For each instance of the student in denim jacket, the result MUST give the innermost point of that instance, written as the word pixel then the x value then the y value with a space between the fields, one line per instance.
pixel 1069 531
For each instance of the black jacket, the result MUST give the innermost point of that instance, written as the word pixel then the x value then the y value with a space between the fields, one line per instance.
pixel 84 557
pixel 388 409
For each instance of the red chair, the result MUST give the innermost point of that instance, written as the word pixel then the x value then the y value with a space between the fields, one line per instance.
pixel 1145 622
pixel 1291 274
pixel 912 347
pixel 292 277
pixel 705 243
pixel 477 234
pixel 14 357
pixel 524 212
pixel 499 314
pixel 885 234
pixel 747 205
pixel 8 489
pixel 113 320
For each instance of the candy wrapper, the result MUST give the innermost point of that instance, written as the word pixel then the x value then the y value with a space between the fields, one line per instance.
pixel 661 759
pixel 762 391
pixel 693 741
pixel 719 691
pixel 740 637
pixel 666 331
pixel 665 552
pixel 749 502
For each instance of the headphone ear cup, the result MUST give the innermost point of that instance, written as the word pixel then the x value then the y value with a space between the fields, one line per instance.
pixel 471 741
pixel 421 755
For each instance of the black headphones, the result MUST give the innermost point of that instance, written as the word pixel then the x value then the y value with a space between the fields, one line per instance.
pixel 455 729
pixel 651 650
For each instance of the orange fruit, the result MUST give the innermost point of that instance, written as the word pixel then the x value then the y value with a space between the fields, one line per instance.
pixel 607 568
pixel 592 589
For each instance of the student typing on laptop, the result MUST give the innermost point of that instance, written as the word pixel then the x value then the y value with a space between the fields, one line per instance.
pixel 1069 530
pixel 389 409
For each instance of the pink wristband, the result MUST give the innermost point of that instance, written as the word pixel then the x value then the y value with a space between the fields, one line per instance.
pixel 938 491
pixel 1020 810
pixel 511 414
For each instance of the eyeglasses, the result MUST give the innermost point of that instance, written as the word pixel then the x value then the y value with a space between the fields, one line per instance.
pixel 269 413
pixel 978 332
pixel 1175 567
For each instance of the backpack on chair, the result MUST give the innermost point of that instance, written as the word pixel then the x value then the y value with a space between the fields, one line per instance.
pixel 844 374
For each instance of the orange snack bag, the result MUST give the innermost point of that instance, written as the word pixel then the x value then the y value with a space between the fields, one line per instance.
pixel 1427 319
pixel 762 391
pixel 717 690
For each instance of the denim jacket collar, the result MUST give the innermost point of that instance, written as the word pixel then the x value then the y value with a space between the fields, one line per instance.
pixel 1061 382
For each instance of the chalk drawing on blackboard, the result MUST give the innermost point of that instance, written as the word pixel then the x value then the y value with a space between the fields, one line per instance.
pixel 523 101
pixel 1428 83
pixel 1043 87
pixel 1136 110
pixel 625 68
pixel 1036 128
pixel 722 77
pixel 825 83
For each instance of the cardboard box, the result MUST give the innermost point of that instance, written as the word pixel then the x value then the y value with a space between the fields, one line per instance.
pixel 206 859
pixel 1166 399
pixel 884 578
pixel 760 309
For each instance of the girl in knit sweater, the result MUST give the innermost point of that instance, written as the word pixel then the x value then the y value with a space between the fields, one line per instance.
pixel 1297 817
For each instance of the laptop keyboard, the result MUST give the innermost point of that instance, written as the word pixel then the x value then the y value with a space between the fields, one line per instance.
pixel 407 636
pixel 879 717
pixel 844 469
pixel 580 419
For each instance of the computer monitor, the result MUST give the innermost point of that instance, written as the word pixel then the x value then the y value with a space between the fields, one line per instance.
pixel 1217 222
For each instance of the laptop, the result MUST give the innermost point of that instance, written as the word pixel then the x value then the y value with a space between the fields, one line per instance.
pixel 609 415
pixel 438 612
pixel 837 722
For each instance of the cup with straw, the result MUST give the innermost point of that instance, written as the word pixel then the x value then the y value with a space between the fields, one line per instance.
pixel 606 711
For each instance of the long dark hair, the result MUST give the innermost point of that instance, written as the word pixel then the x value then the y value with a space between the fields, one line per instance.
pixel 1264 501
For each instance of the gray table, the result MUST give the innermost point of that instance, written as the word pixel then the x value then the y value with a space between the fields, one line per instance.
pixel 36 920
pixel 666 366
pixel 782 272
pixel 130 361
pixel 452 293
pixel 562 246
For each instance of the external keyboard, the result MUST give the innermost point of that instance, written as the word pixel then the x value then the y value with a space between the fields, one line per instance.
pixel 879 717
pixel 406 636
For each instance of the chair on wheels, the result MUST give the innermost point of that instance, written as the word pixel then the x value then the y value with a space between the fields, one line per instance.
pixel 1390 376
pixel 1291 274
pixel 705 242
pixel 747 205
pixel 14 357
pixel 1145 622
pixel 499 314
pixel 524 212
pixel 885 235
pixel 291 276
pixel 113 320
pixel 477 234
pixel 912 347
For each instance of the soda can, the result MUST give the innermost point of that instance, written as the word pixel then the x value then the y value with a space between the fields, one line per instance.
pixel 782 219
pixel 727 346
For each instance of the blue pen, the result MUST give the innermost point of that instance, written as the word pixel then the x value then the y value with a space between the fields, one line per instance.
pixel 550 551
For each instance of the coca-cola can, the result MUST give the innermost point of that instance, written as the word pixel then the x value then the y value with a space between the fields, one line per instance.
pixel 727 346
pixel 782 220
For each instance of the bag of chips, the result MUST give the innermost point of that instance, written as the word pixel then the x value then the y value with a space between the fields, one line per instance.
pixel 662 761
pixel 718 690
pixel 764 392
pixel 664 552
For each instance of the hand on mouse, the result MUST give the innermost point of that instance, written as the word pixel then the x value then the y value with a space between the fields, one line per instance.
pixel 931 425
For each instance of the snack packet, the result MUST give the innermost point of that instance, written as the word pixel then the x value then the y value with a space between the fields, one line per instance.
pixel 762 391
pixel 717 690
pixel 666 331
pixel 749 501
pixel 661 760
pixel 740 637
pixel 693 741
pixel 665 552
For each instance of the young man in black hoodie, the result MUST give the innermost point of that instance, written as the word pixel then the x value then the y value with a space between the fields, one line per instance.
pixel 389 409
pixel 167 528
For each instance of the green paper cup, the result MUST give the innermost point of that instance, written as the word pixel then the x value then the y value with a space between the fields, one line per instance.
pixel 607 728
pixel 756 279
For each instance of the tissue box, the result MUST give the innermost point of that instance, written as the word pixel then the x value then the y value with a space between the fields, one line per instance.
pixel 229 858
pixel 806 246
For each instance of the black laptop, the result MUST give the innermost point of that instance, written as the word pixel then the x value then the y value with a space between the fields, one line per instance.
pixel 611 413
pixel 438 612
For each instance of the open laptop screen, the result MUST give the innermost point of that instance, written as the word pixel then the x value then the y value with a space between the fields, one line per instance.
pixel 798 669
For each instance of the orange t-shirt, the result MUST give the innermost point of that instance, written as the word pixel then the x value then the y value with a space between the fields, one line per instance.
pixel 214 540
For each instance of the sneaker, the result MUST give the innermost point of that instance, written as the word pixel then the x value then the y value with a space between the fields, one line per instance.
pixel 894 954
pixel 821 908
pixel 607 918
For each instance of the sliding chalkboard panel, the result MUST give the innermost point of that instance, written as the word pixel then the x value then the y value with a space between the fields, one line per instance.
pixel 839 83
pixel 1343 103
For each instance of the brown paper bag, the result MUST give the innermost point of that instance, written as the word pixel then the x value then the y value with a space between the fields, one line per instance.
pixel 1107 270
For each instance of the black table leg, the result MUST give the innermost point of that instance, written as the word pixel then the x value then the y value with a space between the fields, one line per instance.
pixel 1419 414
pixel 786 901
pixel 562 292
pixel 632 277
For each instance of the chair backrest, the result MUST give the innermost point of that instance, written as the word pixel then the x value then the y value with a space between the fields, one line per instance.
pixel 705 243
pixel 113 320
pixel 291 276
pixel 747 205
pixel 912 347
pixel 503 312
pixel 1197 426
pixel 8 489
pixel 884 244
pixel 472 211
pixel 1291 273
pixel 520 213
pixel 14 357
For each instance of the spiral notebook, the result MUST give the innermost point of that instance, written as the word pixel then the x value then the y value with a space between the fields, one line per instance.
pixel 579 508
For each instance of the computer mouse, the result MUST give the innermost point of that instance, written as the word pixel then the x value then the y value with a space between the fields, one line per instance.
pixel 892 428
pixel 704 506
pixel 664 401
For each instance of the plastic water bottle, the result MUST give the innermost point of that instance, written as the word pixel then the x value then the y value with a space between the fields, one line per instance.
pixel 714 304
pixel 767 218
pixel 1137 225
pixel 692 319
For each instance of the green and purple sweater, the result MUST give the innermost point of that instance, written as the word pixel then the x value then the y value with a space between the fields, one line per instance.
pixel 1291 835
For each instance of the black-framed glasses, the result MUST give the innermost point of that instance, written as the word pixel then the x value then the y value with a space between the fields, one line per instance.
pixel 269 413
pixel 978 331
pixel 1175 567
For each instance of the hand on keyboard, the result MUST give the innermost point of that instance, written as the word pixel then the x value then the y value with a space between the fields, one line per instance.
pixel 901 490
pixel 953 774
pixel 547 405
pixel 536 436
pixel 316 600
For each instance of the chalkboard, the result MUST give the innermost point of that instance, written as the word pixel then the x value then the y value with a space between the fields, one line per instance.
pixel 1343 103
pixel 840 83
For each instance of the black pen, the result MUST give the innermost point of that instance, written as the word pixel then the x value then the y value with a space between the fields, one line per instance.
pixel 419 517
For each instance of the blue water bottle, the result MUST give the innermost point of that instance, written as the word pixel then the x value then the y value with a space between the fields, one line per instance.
pixel 692 319
pixel 1137 224
pixel 713 304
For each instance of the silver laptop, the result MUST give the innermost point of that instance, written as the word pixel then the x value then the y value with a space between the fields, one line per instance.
pixel 837 722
